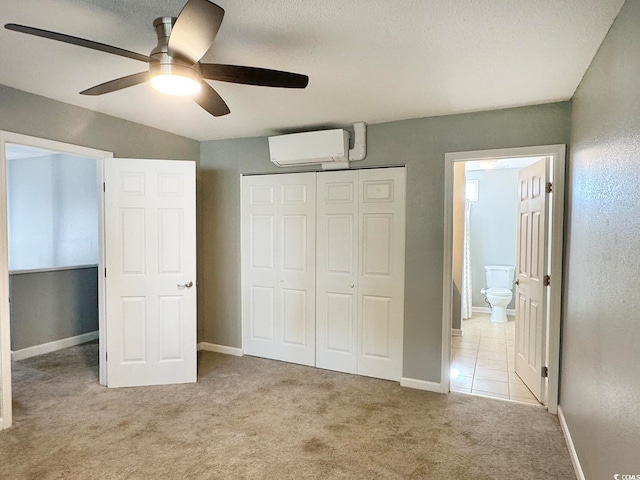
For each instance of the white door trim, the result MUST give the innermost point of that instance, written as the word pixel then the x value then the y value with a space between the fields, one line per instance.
pixel 557 152
pixel 5 339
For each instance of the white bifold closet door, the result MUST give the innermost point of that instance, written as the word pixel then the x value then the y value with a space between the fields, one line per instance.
pixel 278 266
pixel 360 271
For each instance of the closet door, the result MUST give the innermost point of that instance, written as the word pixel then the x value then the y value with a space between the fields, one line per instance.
pixel 381 272
pixel 278 266
pixel 337 272
pixel 296 306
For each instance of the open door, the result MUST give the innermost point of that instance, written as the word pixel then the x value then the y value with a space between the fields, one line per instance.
pixel 531 301
pixel 150 259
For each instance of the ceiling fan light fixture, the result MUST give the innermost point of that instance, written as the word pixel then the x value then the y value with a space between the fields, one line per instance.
pixel 175 79
pixel 175 85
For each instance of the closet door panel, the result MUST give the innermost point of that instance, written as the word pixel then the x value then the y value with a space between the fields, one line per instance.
pixel 376 326
pixel 296 267
pixel 381 272
pixel 262 313
pixel 337 256
pixel 260 238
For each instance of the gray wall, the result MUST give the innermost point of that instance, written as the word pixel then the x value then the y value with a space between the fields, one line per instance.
pixel 421 144
pixel 49 306
pixel 601 329
pixel 493 225
pixel 28 114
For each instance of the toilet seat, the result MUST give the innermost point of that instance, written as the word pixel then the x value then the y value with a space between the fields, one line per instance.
pixel 499 292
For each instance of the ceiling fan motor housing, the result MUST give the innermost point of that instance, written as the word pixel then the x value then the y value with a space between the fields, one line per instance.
pixel 164 62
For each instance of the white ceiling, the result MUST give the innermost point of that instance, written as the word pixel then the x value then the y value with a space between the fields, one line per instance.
pixel 367 60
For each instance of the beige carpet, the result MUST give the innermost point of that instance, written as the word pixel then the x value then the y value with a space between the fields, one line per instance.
pixel 255 418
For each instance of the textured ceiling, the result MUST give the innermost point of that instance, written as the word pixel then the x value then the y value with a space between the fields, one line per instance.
pixel 367 60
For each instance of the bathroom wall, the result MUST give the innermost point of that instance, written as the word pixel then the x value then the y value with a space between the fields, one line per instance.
pixel 493 225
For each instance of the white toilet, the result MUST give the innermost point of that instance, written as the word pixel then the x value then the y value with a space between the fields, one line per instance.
pixel 498 291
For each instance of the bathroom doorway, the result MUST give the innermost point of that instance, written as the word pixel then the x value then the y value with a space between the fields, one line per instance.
pixel 503 225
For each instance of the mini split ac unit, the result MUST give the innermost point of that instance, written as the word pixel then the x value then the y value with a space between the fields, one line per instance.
pixel 327 147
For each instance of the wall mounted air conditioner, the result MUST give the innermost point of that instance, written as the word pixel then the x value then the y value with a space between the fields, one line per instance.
pixel 324 146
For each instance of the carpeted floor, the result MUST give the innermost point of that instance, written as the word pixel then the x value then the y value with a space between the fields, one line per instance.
pixel 261 419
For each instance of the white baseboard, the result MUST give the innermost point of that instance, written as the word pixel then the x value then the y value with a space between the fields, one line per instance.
pixel 212 347
pixel 456 332
pixel 421 384
pixel 572 451
pixel 53 346
pixel 510 311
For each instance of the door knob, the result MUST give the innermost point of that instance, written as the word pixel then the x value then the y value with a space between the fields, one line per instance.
pixel 517 282
pixel 281 280
pixel 351 285
pixel 185 285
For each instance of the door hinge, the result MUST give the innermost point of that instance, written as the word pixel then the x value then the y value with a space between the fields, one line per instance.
pixel 546 281
pixel 106 356
pixel 549 187
pixel 104 187
pixel 545 372
pixel 105 272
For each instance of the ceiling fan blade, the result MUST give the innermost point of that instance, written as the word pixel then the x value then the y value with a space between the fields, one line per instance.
pixel 81 42
pixel 253 76
pixel 211 101
pixel 195 29
pixel 117 84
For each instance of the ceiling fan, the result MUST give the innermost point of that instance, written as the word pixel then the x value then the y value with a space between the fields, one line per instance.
pixel 174 64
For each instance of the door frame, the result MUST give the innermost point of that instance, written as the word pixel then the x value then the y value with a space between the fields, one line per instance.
pixel 554 312
pixel 5 338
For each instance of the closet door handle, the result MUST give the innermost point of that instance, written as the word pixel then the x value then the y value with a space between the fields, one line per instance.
pixel 281 280
pixel 351 285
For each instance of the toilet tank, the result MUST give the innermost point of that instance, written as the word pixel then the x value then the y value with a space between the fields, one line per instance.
pixel 499 276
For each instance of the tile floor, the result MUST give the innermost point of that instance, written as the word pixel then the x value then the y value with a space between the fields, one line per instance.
pixel 483 358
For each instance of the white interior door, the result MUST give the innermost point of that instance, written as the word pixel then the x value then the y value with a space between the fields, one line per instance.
pixel 278 266
pixel 337 271
pixel 531 292
pixel 381 272
pixel 150 251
